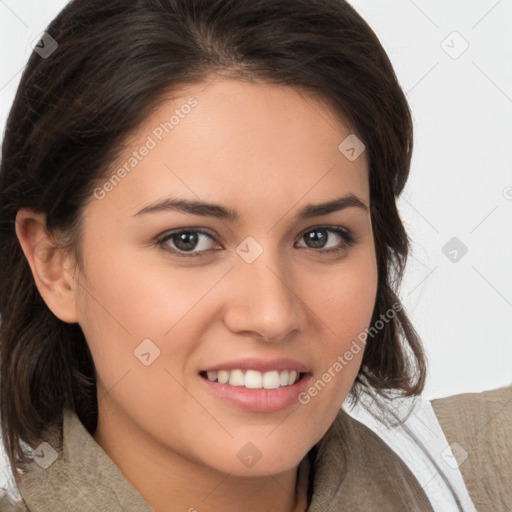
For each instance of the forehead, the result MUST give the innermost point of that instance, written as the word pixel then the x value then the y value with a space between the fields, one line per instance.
pixel 255 146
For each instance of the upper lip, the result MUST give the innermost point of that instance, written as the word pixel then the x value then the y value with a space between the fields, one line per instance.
pixel 262 365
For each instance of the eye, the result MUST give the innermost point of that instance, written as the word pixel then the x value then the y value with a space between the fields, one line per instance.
pixel 320 238
pixel 193 242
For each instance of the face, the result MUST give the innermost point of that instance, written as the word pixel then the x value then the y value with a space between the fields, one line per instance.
pixel 176 298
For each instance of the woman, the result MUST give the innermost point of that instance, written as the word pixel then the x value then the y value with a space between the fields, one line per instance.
pixel 199 256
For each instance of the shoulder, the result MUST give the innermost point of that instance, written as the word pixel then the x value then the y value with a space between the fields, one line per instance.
pixel 478 428
pixel 482 420
pixel 356 470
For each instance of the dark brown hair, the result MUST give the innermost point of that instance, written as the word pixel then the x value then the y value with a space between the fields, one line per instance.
pixel 75 109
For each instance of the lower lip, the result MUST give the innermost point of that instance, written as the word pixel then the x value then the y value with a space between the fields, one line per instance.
pixel 259 400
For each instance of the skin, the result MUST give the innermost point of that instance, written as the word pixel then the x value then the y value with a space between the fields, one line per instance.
pixel 265 151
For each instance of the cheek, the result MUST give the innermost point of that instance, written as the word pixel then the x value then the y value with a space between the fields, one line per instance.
pixel 133 308
pixel 140 333
pixel 121 305
pixel 142 326
pixel 344 300
pixel 138 298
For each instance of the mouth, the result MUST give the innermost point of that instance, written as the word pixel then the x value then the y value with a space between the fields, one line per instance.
pixel 254 379
pixel 264 390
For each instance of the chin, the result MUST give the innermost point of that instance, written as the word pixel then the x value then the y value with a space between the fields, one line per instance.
pixel 258 458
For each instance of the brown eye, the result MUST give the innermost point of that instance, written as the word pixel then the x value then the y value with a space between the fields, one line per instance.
pixel 319 237
pixel 184 241
pixel 316 238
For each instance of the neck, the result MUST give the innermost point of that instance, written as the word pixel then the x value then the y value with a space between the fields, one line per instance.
pixel 169 482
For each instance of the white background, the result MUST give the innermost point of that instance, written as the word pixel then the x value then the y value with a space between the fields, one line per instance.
pixel 461 180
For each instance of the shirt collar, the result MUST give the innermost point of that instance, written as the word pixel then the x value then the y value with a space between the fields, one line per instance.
pixel 351 467
pixel 82 477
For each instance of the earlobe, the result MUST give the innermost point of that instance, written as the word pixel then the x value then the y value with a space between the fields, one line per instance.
pixel 48 263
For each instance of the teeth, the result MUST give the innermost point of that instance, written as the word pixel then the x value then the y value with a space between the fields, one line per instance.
pixel 223 377
pixel 236 378
pixel 253 379
pixel 271 380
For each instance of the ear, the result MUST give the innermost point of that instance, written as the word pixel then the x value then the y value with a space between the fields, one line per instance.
pixel 51 267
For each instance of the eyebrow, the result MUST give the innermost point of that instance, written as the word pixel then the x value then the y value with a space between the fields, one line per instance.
pixel 221 212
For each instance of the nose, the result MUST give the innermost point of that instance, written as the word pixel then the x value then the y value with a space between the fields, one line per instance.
pixel 264 300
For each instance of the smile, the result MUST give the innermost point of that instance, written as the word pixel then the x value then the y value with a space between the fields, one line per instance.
pixel 254 379
pixel 255 391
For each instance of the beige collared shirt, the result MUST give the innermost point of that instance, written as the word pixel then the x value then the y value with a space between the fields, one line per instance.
pixel 352 469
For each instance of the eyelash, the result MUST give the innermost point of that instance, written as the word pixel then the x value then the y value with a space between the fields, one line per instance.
pixel 348 237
